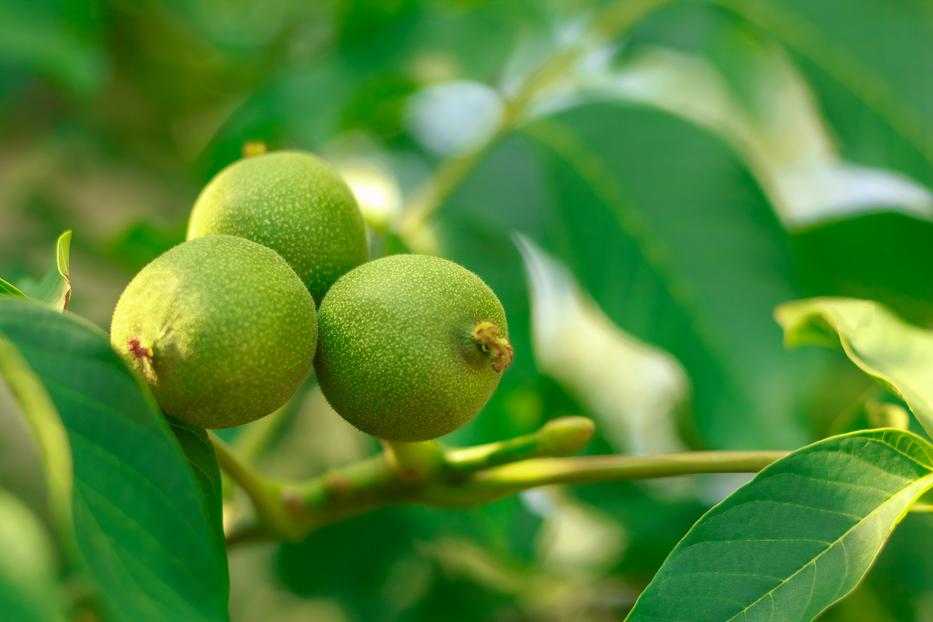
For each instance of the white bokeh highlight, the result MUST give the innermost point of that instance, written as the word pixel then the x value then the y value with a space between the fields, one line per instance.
pixel 452 117
pixel 632 388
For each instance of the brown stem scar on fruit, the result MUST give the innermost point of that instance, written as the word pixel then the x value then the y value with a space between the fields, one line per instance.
pixel 487 335
pixel 138 350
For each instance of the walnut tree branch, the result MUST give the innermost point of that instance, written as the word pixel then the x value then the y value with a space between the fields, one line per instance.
pixel 429 474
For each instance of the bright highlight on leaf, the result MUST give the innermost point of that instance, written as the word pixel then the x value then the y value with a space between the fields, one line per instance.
pixel 897 354
pixel 798 537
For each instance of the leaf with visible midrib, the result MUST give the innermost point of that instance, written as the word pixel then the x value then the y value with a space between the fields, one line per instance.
pixel 797 538
pixel 881 344
pixel 140 520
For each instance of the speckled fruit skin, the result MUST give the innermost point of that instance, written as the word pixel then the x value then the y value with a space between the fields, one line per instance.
pixel 231 328
pixel 293 203
pixel 395 355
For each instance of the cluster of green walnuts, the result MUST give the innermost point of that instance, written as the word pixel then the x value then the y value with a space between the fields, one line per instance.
pixel 225 327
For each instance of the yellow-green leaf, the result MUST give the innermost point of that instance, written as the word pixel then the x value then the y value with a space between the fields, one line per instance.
pixel 894 352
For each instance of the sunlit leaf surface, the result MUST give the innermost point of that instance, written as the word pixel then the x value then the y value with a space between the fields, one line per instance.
pixel 797 538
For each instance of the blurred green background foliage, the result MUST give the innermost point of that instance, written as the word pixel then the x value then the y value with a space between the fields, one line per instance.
pixel 640 193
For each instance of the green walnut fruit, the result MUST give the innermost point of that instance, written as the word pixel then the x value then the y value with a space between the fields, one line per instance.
pixel 222 328
pixel 293 203
pixel 410 347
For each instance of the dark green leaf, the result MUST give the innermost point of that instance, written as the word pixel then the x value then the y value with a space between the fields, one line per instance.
pixel 203 462
pixel 884 257
pixel 141 523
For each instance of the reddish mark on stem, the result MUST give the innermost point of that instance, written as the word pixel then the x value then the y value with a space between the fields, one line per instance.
pixel 411 475
pixel 487 335
pixel 293 504
pixel 337 486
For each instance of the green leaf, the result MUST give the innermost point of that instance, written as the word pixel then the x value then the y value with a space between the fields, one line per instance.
pixel 867 69
pixel 378 57
pixel 203 462
pixel 56 40
pixel 734 79
pixel 896 353
pixel 141 242
pixel 593 187
pixel 28 586
pixel 48 431
pixel 8 289
pixel 54 289
pixel 141 523
pixel 882 257
pixel 797 538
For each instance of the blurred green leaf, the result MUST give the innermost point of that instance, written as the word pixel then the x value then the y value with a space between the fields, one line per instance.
pixel 141 523
pixel 55 39
pixel 798 537
pixel 884 257
pixel 142 242
pixel 28 585
pixel 653 520
pixel 47 429
pixel 308 567
pixel 668 232
pixel 715 68
pixel 878 256
pixel 896 353
pixel 22 466
pixel 389 552
pixel 870 60
pixel 381 54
